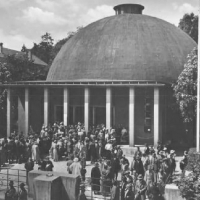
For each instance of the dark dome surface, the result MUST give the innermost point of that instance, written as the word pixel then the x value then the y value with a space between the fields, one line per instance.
pixel 123 47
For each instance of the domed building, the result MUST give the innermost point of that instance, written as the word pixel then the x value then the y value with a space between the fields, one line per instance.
pixel 116 71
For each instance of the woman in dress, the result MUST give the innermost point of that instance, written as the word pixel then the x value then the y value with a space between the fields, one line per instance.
pixel 35 152
pixel 54 151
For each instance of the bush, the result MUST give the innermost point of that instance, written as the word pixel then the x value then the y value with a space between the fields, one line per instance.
pixel 189 185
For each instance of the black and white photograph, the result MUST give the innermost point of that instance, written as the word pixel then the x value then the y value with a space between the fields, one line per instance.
pixel 99 100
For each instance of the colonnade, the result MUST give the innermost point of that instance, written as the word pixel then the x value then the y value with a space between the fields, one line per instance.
pixel 25 119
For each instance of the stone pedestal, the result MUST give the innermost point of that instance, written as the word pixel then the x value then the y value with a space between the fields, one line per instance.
pixel 31 176
pixel 47 188
pixel 69 188
pixel 172 193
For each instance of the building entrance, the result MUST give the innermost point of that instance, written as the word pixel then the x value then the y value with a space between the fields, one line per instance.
pixel 76 114
pixel 100 115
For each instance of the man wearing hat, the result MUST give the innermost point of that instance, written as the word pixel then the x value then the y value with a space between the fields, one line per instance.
pixel 11 192
pixel 29 165
pixel 154 164
pixel 128 194
pixel 172 164
pixel 138 166
pixel 183 163
pixel 22 193
pixel 95 178
pixel 92 150
pixel 115 193
pixel 165 169
pixel 140 188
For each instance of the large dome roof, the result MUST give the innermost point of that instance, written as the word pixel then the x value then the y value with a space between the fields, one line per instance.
pixel 123 47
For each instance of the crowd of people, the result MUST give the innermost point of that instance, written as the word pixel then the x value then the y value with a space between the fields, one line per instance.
pixel 145 176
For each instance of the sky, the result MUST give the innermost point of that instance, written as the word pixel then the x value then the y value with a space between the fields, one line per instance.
pixel 25 21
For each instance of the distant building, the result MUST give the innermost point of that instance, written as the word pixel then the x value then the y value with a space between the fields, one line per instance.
pixel 9 52
pixel 117 70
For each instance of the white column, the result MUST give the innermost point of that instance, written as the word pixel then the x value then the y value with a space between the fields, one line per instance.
pixel 86 108
pixel 113 111
pixel 131 116
pixel 46 106
pixel 156 115
pixel 108 107
pixel 74 114
pixel 26 111
pixel 93 115
pixel 66 106
pixel 21 111
pixel 8 112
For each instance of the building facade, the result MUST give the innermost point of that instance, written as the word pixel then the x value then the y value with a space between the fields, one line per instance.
pixel 116 71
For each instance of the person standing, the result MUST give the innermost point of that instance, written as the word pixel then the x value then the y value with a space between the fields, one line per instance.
pixel 4 155
pixel 172 165
pixel 92 150
pixel 123 186
pixel 54 151
pixel 22 193
pixel 128 195
pixel 75 167
pixel 115 191
pixel 69 162
pixel 95 178
pixel 138 152
pixel 140 188
pixel 154 165
pixel 11 192
pixel 183 163
pixel 83 172
pixel 149 178
pixel 97 150
pixel 11 150
pixel 35 152
pixel 29 165
pixel 138 166
pixel 165 169
pixel 17 150
pixel 116 167
pixel 82 196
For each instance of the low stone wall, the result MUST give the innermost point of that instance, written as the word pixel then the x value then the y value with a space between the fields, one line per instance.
pixel 172 193
pixel 69 184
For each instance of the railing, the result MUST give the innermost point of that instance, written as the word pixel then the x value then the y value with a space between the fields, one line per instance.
pixel 18 176
pixel 104 189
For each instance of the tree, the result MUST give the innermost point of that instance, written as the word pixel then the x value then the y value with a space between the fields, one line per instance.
pixel 185 89
pixel 17 67
pixel 21 68
pixel 43 50
pixel 5 77
pixel 189 186
pixel 24 49
pixel 189 24
pixel 46 50
pixel 60 43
